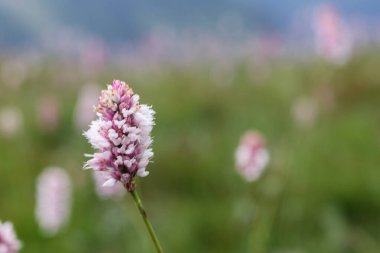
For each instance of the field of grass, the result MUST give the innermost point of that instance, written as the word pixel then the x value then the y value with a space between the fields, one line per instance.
pixel 320 192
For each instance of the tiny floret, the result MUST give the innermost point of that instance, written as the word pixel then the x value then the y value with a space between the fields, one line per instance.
pixel 121 136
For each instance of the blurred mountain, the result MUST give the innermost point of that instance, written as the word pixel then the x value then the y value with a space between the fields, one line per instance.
pixel 26 22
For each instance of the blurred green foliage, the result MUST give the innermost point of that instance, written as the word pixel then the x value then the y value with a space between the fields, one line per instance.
pixel 320 193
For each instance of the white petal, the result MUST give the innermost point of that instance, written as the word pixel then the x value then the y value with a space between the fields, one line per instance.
pixel 142 173
pixel 110 182
pixel 119 123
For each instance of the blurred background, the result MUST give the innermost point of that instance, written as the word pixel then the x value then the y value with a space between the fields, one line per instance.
pixel 303 73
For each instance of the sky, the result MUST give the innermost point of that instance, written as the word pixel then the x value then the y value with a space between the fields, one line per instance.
pixel 36 22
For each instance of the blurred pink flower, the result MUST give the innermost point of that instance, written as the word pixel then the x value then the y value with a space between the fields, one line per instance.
pixel 333 40
pixel 116 190
pixel 8 239
pixel 10 121
pixel 305 112
pixel 251 156
pixel 14 72
pixel 121 135
pixel 93 56
pixel 48 113
pixel 84 108
pixel 53 199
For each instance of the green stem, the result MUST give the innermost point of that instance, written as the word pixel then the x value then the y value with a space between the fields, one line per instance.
pixel 148 225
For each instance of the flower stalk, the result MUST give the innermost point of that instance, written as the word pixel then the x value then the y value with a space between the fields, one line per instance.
pixel 148 225
pixel 121 136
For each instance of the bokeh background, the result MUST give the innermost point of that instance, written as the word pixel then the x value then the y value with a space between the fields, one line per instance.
pixel 303 73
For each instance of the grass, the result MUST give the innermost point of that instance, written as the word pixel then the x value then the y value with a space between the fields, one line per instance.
pixel 320 192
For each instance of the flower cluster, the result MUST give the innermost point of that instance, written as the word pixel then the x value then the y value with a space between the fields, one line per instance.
pixel 251 156
pixel 8 239
pixel 121 136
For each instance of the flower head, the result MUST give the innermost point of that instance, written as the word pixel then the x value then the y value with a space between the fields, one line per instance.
pixel 121 136
pixel 251 156
pixel 53 199
pixel 8 239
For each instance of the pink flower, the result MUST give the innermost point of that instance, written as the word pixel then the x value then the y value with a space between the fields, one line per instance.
pixel 48 113
pixel 333 40
pixel 121 136
pixel 53 200
pixel 8 239
pixel 251 156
